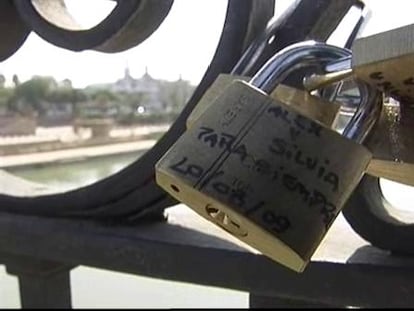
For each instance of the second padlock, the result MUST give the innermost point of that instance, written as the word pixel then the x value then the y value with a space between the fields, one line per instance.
pixel 262 171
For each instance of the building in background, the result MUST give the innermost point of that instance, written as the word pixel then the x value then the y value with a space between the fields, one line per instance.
pixel 147 94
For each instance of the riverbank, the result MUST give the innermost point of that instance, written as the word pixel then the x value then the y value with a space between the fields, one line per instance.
pixel 56 145
pixel 74 154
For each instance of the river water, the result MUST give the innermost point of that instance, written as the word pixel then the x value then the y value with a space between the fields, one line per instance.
pixel 71 175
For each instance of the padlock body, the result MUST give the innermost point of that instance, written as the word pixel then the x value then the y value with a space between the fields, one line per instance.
pixel 385 60
pixel 310 106
pixel 280 177
pixel 392 144
pixel 216 88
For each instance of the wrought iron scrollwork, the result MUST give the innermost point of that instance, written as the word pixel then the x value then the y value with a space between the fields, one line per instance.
pixel 132 193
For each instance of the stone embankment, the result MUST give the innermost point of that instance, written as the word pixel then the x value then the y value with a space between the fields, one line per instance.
pixel 62 144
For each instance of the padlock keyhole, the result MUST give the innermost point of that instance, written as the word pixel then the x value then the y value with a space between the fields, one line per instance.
pixel 175 188
pixel 222 219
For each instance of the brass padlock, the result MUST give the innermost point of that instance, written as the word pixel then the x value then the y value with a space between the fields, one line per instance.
pixel 384 60
pixel 311 106
pixel 392 144
pixel 216 88
pixel 315 109
pixel 265 173
pixel 391 141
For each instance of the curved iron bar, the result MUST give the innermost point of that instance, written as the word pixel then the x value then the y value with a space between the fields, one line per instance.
pixel 127 25
pixel 13 31
pixel 132 193
pixel 296 24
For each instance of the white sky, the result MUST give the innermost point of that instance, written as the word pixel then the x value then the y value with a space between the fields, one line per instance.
pixel 184 44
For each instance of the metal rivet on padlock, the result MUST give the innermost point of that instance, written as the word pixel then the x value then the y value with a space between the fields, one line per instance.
pixel 265 173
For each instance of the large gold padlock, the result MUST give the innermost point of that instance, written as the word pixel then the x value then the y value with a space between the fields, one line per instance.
pixel 263 172
pixel 386 61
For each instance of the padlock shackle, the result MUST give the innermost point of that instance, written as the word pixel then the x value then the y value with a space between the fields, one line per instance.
pixel 292 58
pixel 257 48
pixel 367 111
pixel 366 114
pixel 339 64
pixel 309 52
pixel 338 69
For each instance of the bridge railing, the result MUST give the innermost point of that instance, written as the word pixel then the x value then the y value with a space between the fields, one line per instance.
pixel 346 271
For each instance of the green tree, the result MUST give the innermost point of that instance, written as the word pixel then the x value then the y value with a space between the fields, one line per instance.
pixel 33 94
pixel 16 80
pixel 2 81
pixel 66 95
pixel 104 96
pixel 175 94
pixel 132 100
pixel 6 94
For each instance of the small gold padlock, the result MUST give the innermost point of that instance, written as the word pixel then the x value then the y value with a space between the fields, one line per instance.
pixel 386 61
pixel 262 171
